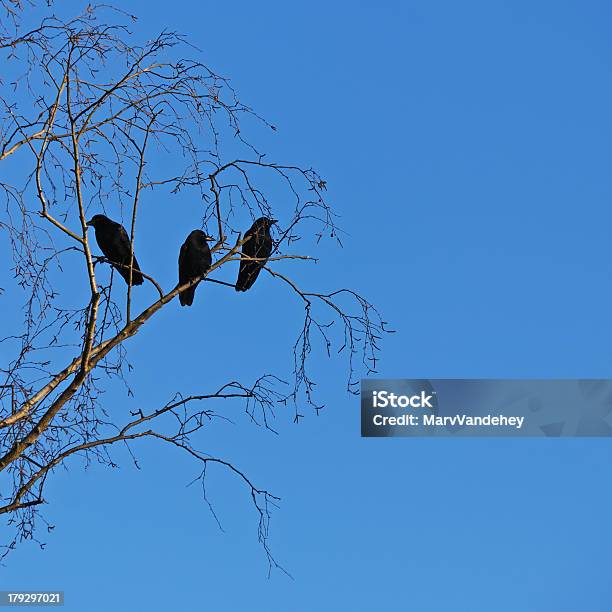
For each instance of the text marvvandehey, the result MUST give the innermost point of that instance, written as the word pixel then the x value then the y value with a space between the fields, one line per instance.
pixel 456 420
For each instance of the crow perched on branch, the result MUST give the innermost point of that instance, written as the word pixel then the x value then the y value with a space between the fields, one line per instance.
pixel 194 261
pixel 114 242
pixel 259 245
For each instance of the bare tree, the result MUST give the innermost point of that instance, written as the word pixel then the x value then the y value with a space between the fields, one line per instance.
pixel 99 123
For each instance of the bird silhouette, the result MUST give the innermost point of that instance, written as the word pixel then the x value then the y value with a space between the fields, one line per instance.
pixel 194 261
pixel 114 242
pixel 259 245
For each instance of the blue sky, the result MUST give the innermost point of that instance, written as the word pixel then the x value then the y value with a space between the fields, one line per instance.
pixel 467 147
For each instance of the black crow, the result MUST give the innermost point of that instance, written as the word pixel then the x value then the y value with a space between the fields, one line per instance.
pixel 194 260
pixel 259 245
pixel 114 242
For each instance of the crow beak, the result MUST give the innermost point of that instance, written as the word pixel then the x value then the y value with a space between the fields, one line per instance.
pixel 89 223
pixel 273 221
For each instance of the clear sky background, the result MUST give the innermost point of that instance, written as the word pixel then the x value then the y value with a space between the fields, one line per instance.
pixel 468 148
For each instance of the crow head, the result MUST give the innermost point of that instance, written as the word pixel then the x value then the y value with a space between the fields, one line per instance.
pixel 200 237
pixel 98 221
pixel 265 222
